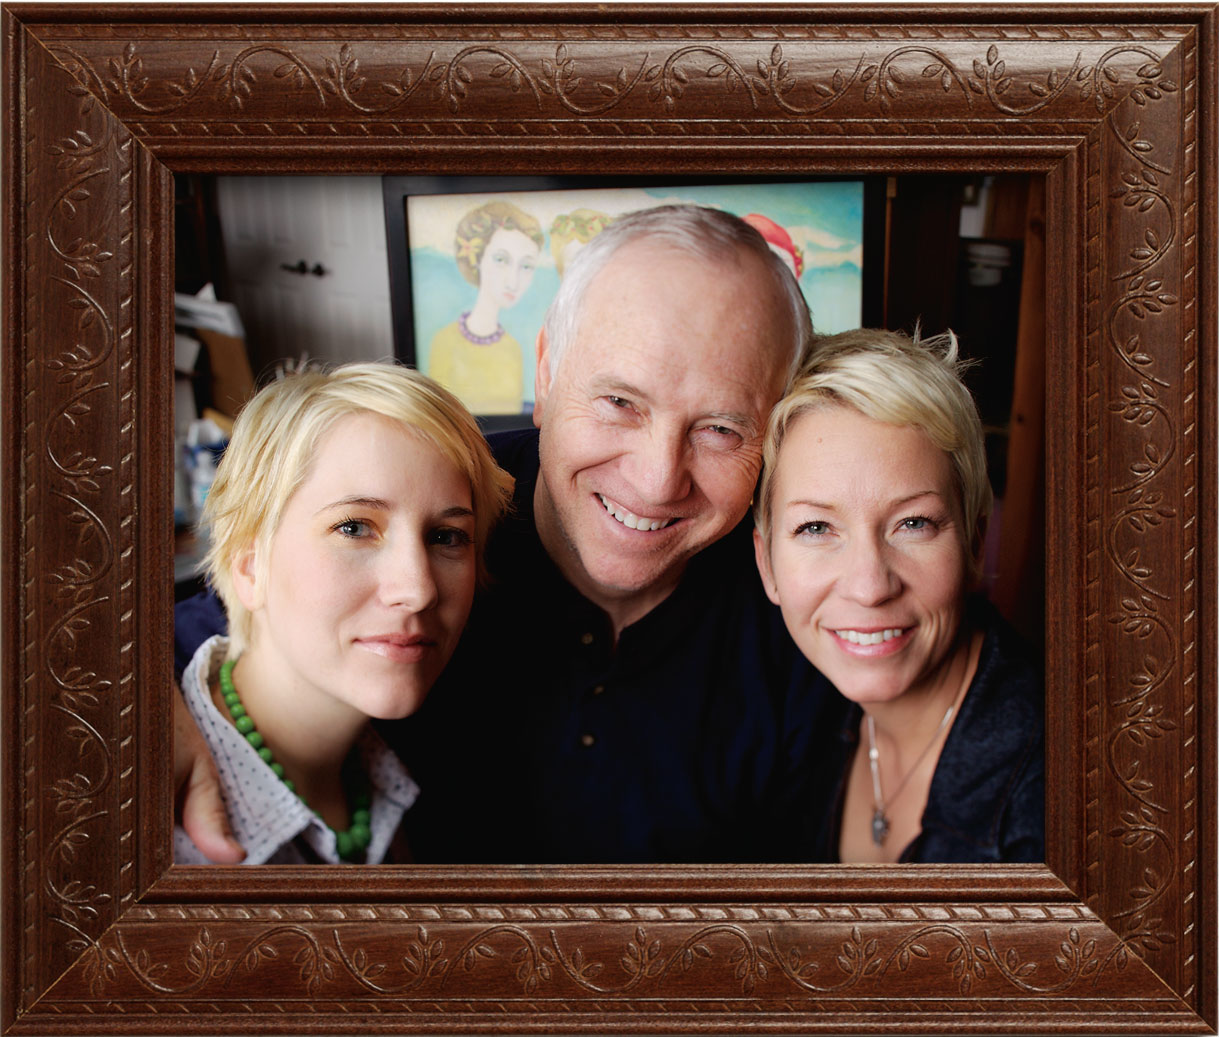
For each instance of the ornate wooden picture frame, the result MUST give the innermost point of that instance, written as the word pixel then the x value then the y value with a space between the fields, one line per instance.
pixel 1115 107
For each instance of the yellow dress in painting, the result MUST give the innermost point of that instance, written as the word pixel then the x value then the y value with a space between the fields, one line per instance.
pixel 488 378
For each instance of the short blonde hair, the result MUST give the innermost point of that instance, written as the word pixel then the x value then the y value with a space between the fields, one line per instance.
pixel 892 378
pixel 475 229
pixel 273 443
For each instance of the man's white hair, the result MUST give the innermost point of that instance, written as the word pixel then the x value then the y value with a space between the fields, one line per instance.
pixel 710 234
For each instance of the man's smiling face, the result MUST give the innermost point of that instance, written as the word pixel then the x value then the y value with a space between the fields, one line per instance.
pixel 651 426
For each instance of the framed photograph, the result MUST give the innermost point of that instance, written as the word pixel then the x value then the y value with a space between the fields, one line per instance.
pixel 474 268
pixel 1112 108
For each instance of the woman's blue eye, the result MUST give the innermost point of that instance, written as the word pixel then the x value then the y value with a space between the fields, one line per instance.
pixel 354 528
pixel 815 527
pixel 916 522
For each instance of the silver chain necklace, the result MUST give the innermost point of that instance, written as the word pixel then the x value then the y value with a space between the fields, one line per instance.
pixel 880 821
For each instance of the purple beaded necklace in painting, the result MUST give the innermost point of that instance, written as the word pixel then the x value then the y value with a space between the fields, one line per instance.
pixel 479 340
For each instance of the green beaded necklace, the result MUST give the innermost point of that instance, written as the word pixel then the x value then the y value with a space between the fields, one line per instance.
pixel 352 843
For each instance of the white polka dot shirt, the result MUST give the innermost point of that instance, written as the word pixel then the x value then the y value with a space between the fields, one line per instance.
pixel 268 819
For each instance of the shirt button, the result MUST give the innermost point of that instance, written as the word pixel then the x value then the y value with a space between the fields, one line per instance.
pixel 586 639
pixel 599 689
pixel 587 740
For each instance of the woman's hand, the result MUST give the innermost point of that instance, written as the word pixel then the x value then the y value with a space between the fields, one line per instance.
pixel 199 807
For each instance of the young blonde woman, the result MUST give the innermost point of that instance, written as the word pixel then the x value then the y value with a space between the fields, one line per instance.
pixel 346 525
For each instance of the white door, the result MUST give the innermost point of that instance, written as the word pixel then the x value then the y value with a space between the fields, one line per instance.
pixel 335 224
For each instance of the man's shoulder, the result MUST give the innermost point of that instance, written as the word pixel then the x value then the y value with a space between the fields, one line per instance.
pixel 516 560
pixel 516 450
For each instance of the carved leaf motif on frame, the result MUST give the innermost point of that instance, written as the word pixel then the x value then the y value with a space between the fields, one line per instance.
pixel 84 299
pixel 957 950
pixel 743 83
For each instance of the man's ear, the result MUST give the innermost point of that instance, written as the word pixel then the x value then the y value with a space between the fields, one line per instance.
pixel 541 377
pixel 245 581
pixel 761 554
